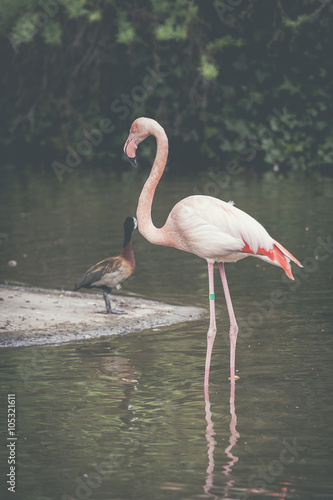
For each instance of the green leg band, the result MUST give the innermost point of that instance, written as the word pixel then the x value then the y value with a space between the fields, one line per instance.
pixel 212 296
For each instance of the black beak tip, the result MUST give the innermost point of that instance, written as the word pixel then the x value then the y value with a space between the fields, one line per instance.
pixel 133 161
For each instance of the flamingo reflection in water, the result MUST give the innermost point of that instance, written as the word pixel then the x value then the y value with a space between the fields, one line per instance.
pixel 229 489
pixel 234 435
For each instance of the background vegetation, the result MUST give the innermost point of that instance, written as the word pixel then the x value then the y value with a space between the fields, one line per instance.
pixel 229 80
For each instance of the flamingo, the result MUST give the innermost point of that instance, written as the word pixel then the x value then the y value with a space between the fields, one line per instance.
pixel 205 226
pixel 112 271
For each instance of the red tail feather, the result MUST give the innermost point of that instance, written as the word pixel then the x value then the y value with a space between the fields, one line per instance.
pixel 278 254
pixel 287 254
pixel 283 260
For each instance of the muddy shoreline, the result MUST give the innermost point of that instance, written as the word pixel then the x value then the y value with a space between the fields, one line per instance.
pixel 31 316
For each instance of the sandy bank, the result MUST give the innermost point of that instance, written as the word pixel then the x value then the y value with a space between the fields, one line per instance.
pixel 37 316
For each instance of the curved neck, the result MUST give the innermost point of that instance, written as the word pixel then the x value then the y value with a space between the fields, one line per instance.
pixel 127 235
pixel 127 253
pixel 143 214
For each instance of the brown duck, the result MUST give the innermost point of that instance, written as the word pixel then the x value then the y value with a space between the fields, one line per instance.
pixel 111 272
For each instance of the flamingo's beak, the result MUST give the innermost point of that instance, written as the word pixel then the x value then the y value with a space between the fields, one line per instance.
pixel 133 161
pixel 129 150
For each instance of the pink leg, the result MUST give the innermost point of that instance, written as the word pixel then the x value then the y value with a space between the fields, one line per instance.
pixel 233 324
pixel 212 322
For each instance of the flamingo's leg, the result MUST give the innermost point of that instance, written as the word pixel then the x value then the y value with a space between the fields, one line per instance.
pixel 233 324
pixel 212 322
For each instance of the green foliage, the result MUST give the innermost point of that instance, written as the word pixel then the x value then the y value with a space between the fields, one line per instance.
pixel 52 33
pixel 251 82
pixel 76 8
pixel 95 15
pixel 11 11
pixel 208 70
pixel 295 23
pixel 170 31
pixel 178 19
pixel 226 41
pixel 24 30
pixel 126 33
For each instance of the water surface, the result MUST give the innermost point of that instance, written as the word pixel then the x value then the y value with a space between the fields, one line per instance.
pixel 127 417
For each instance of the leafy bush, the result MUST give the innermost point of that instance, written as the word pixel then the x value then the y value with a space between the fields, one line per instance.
pixel 250 81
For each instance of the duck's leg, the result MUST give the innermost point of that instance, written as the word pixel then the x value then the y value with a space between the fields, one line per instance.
pixel 107 299
pixel 233 324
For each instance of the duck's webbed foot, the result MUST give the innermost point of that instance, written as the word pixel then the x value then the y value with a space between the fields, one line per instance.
pixel 107 299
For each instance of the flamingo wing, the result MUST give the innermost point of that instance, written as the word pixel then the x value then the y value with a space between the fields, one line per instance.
pixel 219 231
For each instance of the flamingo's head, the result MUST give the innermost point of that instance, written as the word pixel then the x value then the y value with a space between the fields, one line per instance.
pixel 141 128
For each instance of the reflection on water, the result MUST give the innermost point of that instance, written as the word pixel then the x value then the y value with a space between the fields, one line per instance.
pixel 262 477
pixel 234 435
pixel 128 416
pixel 134 411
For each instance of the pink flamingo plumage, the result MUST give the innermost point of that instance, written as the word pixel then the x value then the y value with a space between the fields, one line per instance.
pixel 205 226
